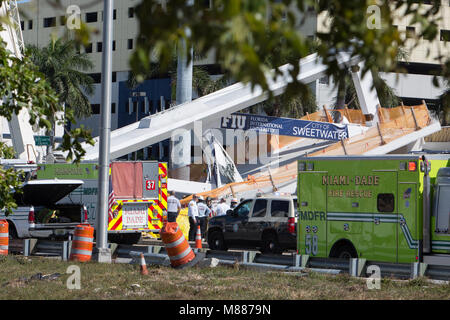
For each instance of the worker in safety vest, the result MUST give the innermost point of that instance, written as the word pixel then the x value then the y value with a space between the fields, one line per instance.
pixel 173 207
pixel 193 216
pixel 203 214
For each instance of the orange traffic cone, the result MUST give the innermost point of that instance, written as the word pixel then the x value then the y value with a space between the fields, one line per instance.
pixel 144 270
pixel 198 238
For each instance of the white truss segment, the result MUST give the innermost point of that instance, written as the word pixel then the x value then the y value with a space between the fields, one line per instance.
pixel 161 126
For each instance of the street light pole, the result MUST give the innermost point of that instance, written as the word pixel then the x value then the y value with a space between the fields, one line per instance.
pixel 102 252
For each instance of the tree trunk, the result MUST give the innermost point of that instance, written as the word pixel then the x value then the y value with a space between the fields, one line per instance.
pixel 342 91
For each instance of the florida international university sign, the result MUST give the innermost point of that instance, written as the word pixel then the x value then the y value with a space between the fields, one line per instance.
pixel 286 126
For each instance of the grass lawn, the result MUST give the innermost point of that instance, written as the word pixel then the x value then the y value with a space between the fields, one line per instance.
pixel 123 281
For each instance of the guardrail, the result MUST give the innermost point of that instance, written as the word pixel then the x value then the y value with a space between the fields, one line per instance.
pixel 156 254
pixel 38 247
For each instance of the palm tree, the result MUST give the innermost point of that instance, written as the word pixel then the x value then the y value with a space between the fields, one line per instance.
pixel 346 92
pixel 347 96
pixel 202 82
pixel 63 67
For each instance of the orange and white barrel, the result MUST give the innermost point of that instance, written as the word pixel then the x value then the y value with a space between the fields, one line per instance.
pixel 82 243
pixel 4 237
pixel 177 247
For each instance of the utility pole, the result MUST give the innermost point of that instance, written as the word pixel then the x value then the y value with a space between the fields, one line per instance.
pixel 181 142
pixel 181 154
pixel 102 253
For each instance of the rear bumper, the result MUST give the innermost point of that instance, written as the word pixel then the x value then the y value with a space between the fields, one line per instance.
pixel 287 240
pixel 54 226
pixel 134 231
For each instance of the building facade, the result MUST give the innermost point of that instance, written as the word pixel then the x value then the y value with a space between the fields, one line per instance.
pixel 41 21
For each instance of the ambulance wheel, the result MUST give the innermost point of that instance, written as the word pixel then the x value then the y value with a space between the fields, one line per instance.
pixel 216 241
pixel 346 251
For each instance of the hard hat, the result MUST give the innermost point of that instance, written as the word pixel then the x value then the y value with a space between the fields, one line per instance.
pixel 234 200
pixel 201 198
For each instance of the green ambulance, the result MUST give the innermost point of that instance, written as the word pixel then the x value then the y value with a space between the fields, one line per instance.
pixel 393 208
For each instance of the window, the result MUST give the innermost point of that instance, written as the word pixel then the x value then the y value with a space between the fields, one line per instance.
pixel 445 35
pixel 324 80
pixel 113 107
pixel 114 77
pixel 114 14
pixel 114 45
pixel 130 44
pixel 131 12
pixel 22 25
pixel 88 48
pixel 91 17
pixel 95 108
pixel 279 208
pixel 62 20
pixel 49 22
pixel 143 109
pixel 30 24
pixel 259 209
pixel 385 202
pixel 243 209
pixel 429 36
pixel 443 211
pixel 410 32
pixel 99 46
pixel 97 77
pixel 163 103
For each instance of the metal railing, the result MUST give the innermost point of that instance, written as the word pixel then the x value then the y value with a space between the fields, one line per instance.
pixel 156 254
pixel 293 262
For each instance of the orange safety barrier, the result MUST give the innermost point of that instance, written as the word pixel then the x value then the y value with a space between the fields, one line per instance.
pixel 4 238
pixel 198 238
pixel 82 243
pixel 177 247
pixel 144 270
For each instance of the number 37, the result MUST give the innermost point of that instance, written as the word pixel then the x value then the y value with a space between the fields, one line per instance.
pixel 311 244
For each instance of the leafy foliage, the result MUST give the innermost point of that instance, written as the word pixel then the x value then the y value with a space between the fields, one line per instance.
pixel 242 33
pixel 63 68
pixel 23 86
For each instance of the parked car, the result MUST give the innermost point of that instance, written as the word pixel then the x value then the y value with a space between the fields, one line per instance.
pixel 39 216
pixel 268 223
